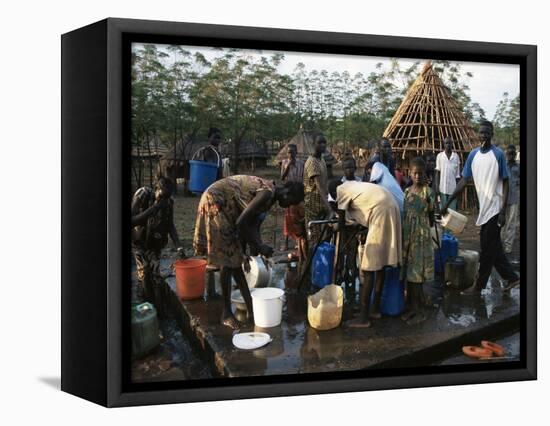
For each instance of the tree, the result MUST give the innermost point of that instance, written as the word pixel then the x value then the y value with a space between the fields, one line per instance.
pixel 506 120
pixel 148 80
pixel 241 92
pixel 177 96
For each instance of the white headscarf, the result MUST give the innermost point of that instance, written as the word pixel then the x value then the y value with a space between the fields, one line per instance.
pixel 382 176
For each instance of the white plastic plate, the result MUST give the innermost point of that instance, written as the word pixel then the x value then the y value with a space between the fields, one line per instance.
pixel 251 341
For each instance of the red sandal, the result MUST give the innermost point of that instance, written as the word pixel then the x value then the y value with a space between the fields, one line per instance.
pixel 477 352
pixel 494 347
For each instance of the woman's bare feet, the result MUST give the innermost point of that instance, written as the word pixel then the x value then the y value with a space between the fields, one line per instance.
pixel 230 321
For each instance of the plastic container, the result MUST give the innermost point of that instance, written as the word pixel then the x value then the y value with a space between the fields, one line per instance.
pixel 202 174
pixel 392 299
pixel 259 275
pixel 454 221
pixel 190 277
pixel 322 265
pixel 454 272
pixel 250 341
pixel 471 257
pixel 238 300
pixel 324 308
pixel 449 248
pixel 267 304
pixel 145 329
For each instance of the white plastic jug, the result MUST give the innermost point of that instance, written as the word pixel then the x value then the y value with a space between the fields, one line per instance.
pixel 268 306
pixel 454 221
pixel 324 308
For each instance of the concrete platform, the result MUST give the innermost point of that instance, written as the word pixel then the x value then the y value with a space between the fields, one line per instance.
pixel 454 321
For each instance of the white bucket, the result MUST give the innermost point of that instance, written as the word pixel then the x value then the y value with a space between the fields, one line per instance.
pixel 268 306
pixel 454 221
pixel 259 275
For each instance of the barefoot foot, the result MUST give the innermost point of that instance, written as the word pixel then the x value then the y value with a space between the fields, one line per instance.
pixel 231 322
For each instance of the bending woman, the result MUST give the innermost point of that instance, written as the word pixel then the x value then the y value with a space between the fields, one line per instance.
pixel 372 207
pixel 228 220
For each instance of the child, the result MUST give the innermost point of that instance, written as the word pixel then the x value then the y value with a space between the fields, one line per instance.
pixel 152 223
pixel 418 260
pixel 349 166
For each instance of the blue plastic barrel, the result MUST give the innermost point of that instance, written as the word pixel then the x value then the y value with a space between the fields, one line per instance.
pixel 322 265
pixel 392 299
pixel 449 249
pixel 201 175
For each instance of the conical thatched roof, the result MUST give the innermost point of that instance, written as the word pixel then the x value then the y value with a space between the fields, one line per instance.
pixel 427 115
pixel 304 141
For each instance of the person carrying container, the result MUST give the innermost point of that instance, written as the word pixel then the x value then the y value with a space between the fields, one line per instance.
pixel 486 166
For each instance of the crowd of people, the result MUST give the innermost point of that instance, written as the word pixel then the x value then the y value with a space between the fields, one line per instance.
pixel 395 213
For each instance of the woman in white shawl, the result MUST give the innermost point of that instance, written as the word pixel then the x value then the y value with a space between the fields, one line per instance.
pixel 381 175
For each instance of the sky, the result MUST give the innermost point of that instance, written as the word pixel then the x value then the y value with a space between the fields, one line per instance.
pixel 487 85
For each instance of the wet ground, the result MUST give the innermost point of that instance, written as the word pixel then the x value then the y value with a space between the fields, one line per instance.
pixel 453 321
pixel 173 359
pixel 197 346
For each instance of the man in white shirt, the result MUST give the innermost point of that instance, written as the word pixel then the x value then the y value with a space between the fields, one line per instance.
pixel 486 165
pixel 447 172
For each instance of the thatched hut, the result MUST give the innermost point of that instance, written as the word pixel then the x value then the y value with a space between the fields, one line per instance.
pixel 427 115
pixel 304 141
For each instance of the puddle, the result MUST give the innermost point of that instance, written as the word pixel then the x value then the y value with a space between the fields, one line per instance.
pixel 298 348
pixel 173 359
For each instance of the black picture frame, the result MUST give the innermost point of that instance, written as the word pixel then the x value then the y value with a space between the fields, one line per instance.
pixel 95 210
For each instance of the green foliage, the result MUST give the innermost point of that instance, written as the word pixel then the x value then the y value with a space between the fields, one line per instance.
pixel 506 120
pixel 177 96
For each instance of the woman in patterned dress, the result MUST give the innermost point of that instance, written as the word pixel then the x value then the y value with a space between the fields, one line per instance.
pixel 418 257
pixel 228 220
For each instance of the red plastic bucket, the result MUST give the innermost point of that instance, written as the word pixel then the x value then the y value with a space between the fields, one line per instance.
pixel 190 274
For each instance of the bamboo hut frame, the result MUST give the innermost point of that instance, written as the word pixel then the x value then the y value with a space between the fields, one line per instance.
pixel 427 115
